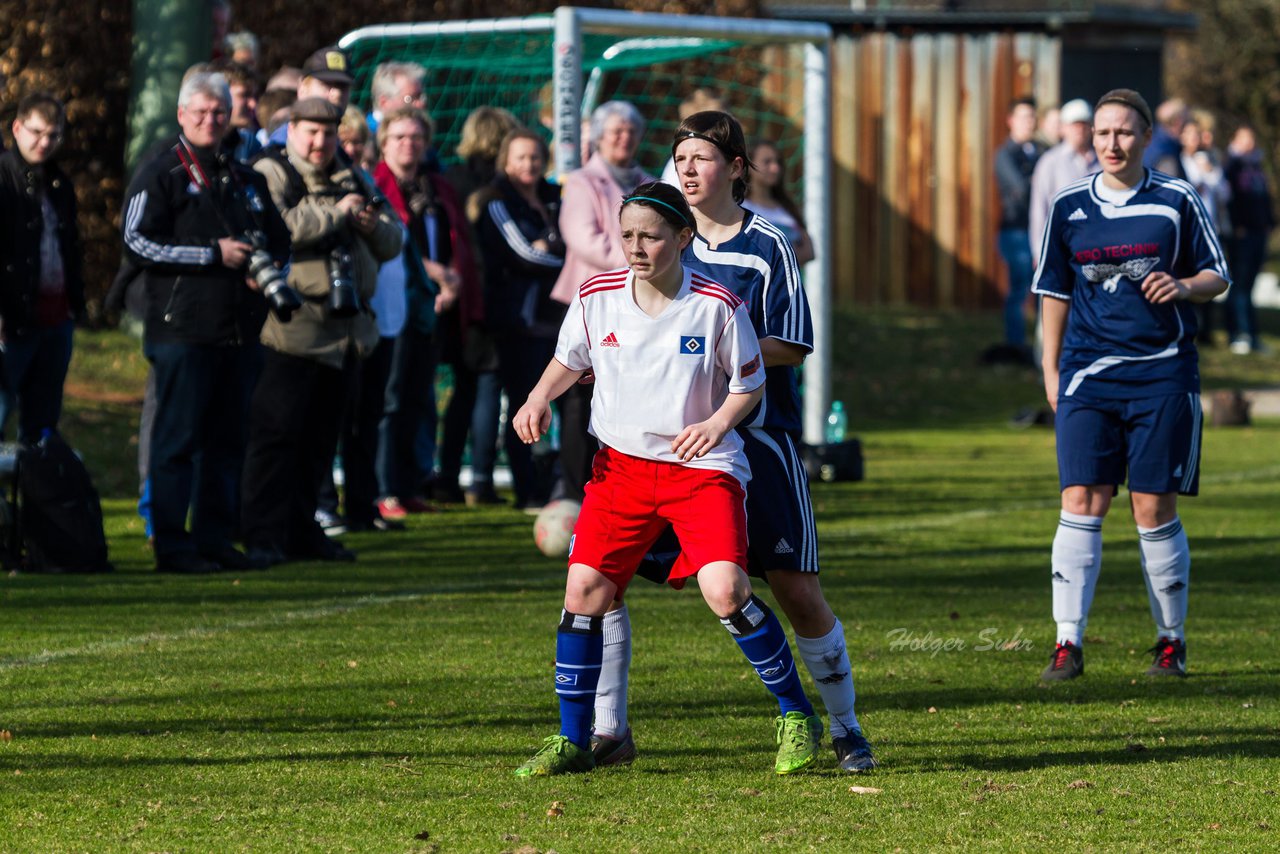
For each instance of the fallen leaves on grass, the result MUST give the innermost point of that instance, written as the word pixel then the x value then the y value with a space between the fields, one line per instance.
pixel 751 793
pixel 5 735
pixel 353 664
pixel 1079 784
pixel 423 835
pixel 933 710
pixel 865 790
pixel 556 809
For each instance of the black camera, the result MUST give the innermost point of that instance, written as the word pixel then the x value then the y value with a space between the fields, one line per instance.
pixel 281 299
pixel 344 300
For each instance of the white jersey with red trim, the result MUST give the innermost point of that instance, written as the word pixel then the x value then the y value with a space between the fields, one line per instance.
pixel 654 376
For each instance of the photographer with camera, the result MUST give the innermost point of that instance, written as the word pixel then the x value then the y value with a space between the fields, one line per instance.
pixel 341 234
pixel 204 229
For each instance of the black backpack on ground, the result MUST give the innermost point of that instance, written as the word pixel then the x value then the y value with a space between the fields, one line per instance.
pixel 59 514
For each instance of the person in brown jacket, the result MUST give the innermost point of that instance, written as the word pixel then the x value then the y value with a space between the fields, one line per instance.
pixel 341 234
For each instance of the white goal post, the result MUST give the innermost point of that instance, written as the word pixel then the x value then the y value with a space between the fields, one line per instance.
pixel 570 24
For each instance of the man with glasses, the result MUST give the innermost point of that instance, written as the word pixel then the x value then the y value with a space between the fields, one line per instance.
pixel 188 218
pixel 41 288
pixel 396 85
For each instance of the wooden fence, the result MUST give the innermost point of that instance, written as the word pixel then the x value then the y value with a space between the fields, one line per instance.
pixel 917 118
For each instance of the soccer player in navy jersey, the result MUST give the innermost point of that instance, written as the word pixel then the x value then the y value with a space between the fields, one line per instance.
pixel 1125 254
pixel 751 257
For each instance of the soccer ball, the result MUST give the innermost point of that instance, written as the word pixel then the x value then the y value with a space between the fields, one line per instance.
pixel 553 529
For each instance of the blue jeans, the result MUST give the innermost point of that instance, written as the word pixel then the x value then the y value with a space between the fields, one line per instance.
pixel 474 409
pixel 409 393
pixel 1246 255
pixel 35 365
pixel 1015 248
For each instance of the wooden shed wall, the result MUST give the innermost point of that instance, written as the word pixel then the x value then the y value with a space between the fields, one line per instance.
pixel 917 120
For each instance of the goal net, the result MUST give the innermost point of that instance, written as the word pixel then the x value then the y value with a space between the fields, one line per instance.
pixel 551 71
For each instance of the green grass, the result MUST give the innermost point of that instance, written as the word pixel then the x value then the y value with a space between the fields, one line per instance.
pixel 344 708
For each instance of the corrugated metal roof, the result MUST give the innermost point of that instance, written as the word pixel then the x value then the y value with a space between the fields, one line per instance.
pixel 975 16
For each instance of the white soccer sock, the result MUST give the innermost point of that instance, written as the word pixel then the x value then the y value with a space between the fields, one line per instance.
pixel 611 692
pixel 828 662
pixel 1166 565
pixel 1077 561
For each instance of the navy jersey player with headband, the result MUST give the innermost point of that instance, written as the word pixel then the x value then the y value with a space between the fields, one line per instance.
pixel 1125 254
pixel 751 257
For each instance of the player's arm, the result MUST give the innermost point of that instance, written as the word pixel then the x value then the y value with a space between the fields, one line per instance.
pixel 779 352
pixel 533 419
pixel 1203 286
pixel 1053 318
pixel 696 439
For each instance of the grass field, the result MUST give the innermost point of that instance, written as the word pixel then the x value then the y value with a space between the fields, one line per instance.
pixel 382 706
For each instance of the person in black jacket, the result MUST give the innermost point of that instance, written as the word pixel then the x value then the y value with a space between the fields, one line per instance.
pixel 518 231
pixel 41 284
pixel 188 218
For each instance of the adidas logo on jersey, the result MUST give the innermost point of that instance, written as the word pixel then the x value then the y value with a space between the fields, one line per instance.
pixel 1077 215
pixel 610 340
pixel 783 548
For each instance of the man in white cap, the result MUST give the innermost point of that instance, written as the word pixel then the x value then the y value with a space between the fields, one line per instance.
pixel 1070 160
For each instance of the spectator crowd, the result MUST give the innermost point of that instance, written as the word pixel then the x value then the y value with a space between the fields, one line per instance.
pixel 300 270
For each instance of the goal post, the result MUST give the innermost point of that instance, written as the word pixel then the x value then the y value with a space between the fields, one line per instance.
pixel 645 58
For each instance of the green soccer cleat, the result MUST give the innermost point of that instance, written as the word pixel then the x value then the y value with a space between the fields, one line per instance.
pixel 558 755
pixel 798 738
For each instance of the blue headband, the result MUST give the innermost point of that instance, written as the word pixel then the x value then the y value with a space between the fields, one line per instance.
pixel 675 210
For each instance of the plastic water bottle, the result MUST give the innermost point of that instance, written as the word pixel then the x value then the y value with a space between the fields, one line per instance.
pixel 837 423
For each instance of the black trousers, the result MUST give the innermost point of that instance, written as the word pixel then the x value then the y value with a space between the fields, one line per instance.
pixel 197 442
pixel 359 439
pixel 577 446
pixel 293 432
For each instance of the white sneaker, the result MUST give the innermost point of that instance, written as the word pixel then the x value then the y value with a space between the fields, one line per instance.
pixel 1241 347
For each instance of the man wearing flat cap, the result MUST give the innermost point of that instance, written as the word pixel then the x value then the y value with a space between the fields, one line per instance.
pixel 340 237
pixel 1126 254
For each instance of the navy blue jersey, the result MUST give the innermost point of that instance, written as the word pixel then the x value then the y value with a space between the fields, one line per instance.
pixel 1099 244
pixel 759 266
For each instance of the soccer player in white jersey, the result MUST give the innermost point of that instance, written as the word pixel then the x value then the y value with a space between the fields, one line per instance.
pixel 1125 254
pixel 676 366
pixel 752 258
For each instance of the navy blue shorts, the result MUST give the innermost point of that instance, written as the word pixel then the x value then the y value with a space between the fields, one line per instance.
pixel 780 530
pixel 1155 440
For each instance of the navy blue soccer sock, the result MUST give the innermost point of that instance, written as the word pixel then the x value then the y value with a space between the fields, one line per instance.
pixel 579 650
pixel 759 635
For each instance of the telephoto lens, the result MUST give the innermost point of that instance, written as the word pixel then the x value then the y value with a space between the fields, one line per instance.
pixel 281 299
pixel 344 301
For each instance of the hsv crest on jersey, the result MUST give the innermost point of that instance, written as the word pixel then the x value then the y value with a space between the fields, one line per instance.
pixel 693 345
pixel 566 679
pixel 610 340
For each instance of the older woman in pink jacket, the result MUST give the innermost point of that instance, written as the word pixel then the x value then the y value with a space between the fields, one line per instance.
pixel 589 204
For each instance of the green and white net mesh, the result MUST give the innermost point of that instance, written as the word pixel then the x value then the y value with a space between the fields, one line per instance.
pixel 762 85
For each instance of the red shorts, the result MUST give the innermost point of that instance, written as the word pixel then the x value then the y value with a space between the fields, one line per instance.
pixel 630 501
